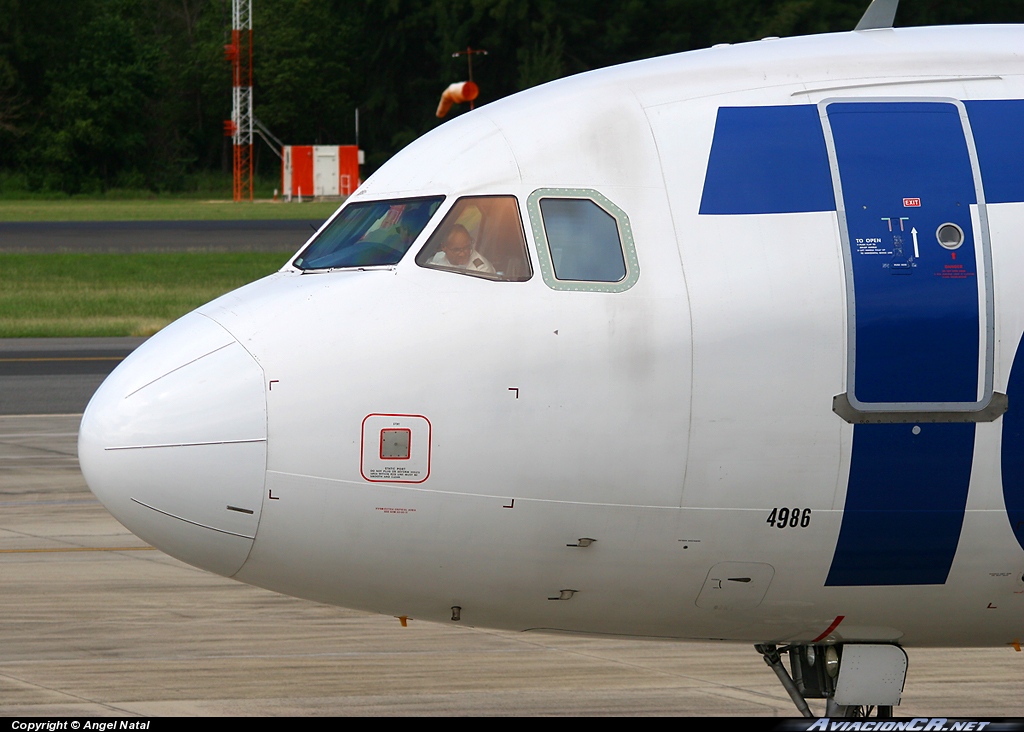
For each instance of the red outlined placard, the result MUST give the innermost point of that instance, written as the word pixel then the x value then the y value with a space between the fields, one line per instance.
pixel 395 448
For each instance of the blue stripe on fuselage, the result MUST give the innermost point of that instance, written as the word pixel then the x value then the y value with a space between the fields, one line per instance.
pixel 998 128
pixel 767 160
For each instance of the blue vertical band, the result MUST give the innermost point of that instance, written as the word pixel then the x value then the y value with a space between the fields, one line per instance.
pixel 1013 448
pixel 905 171
pixel 904 505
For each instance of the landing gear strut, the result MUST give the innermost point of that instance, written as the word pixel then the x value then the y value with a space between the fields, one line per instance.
pixel 855 680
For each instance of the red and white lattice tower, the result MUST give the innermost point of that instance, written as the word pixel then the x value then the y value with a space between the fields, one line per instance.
pixel 239 127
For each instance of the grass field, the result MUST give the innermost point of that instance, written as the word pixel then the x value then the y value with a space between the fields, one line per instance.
pixel 166 209
pixel 61 295
pixel 55 295
pixel 50 295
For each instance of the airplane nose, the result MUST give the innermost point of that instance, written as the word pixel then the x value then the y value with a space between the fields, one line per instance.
pixel 174 444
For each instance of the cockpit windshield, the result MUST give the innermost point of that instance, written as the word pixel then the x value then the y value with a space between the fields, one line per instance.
pixel 369 234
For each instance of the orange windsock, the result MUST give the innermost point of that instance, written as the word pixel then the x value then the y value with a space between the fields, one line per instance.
pixel 463 91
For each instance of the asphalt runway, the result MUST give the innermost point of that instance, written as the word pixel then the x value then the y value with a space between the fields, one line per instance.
pixel 56 375
pixel 155 236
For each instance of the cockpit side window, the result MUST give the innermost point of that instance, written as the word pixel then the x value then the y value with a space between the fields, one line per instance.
pixel 481 236
pixel 368 234
pixel 584 241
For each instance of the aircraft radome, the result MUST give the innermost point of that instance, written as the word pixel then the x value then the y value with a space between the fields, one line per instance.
pixel 723 345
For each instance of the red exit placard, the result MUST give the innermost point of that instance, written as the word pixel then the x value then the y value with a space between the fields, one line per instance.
pixel 911 202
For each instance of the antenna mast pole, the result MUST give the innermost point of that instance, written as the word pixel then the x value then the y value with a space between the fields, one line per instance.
pixel 469 53
pixel 240 55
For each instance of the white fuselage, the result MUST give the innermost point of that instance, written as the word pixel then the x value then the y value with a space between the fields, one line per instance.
pixel 665 422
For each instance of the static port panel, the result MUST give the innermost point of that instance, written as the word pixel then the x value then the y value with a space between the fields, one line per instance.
pixel 395 448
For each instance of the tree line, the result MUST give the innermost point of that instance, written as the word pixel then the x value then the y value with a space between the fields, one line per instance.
pixel 132 94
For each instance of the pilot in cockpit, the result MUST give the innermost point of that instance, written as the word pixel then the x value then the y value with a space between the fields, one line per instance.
pixel 457 251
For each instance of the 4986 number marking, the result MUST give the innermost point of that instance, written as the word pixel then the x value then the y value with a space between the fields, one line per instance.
pixel 789 518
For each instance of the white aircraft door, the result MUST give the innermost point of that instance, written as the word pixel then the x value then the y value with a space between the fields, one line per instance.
pixel 912 218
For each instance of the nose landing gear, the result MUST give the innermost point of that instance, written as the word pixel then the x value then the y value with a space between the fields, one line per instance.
pixel 856 680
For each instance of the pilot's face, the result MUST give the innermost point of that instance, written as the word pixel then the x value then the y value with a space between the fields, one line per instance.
pixel 457 248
